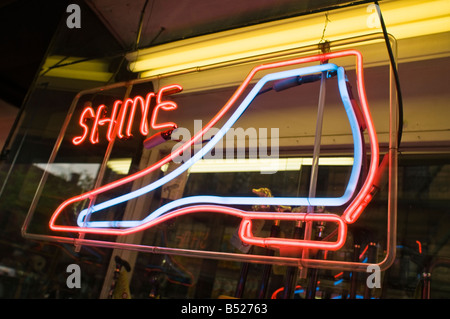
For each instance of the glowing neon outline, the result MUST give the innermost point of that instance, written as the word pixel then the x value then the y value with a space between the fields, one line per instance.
pixel 167 106
pixel 351 213
pixel 145 106
pixel 294 201
pixel 245 228
pixel 80 139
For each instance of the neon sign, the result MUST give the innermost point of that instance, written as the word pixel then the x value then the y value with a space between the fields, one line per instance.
pixel 129 107
pixel 356 200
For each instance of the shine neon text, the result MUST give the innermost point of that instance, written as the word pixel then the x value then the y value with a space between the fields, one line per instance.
pixel 121 118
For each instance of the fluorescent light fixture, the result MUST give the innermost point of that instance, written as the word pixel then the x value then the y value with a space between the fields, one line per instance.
pixel 263 164
pixel 120 165
pixel 404 19
pixel 76 68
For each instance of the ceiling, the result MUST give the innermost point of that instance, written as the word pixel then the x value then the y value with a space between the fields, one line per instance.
pixel 166 21
pixel 27 27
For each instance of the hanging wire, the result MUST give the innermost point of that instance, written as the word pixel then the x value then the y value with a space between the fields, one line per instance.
pixel 141 20
pixel 396 77
pixel 324 28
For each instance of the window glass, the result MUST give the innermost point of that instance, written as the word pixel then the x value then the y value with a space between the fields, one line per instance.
pixel 199 255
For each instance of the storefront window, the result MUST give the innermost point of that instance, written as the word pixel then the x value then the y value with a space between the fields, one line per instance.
pixel 63 150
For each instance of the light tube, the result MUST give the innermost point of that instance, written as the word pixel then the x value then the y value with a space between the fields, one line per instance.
pixel 403 19
pixel 263 164
pixel 93 70
pixel 245 228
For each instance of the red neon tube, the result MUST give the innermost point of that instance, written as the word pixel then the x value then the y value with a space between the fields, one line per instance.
pixel 167 106
pixel 245 229
pixel 80 139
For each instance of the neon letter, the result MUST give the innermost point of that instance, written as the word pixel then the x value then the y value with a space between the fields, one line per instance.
pixel 166 106
pixel 80 139
pixel 111 120
pixel 94 132
pixel 145 105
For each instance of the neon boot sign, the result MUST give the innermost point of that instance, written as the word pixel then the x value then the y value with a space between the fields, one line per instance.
pixel 354 200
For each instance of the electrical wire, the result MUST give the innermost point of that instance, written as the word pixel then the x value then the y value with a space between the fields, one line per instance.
pixel 396 77
pixel 139 31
